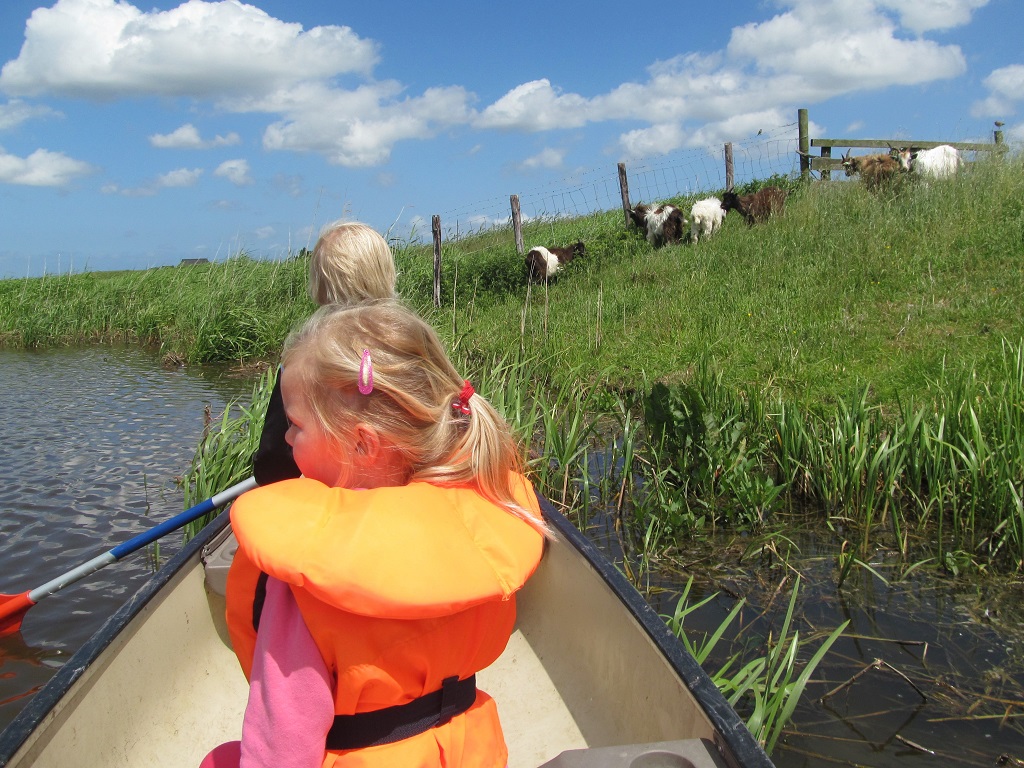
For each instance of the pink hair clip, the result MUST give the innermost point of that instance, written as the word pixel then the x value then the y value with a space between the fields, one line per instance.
pixel 366 374
pixel 462 402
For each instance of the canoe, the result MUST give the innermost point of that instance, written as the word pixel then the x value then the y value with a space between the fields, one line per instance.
pixel 592 676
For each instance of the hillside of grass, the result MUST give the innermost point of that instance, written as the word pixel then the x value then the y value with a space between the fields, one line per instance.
pixel 847 288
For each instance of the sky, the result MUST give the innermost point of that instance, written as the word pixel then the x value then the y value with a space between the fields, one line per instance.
pixel 136 135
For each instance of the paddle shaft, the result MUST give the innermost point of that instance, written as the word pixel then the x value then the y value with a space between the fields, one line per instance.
pixel 33 596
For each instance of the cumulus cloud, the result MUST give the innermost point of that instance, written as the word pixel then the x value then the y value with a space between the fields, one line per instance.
pixel 105 48
pixel 358 128
pixel 15 112
pixel 535 106
pixel 1006 88
pixel 41 169
pixel 924 15
pixel 546 158
pixel 187 137
pixel 765 68
pixel 241 59
pixel 180 177
pixel 235 171
pixel 318 86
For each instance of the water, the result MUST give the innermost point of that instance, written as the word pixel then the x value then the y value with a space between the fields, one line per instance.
pixel 91 441
pixel 930 667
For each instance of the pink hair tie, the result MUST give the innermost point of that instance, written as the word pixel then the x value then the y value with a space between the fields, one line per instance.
pixel 462 403
pixel 366 374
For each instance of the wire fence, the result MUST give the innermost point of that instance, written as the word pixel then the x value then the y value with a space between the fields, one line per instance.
pixel 693 171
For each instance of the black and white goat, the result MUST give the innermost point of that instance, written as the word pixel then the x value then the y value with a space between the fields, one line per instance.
pixel 542 263
pixel 939 162
pixel 662 224
pixel 756 208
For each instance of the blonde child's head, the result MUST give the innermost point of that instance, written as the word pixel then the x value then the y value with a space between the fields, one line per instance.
pixel 351 262
pixel 416 404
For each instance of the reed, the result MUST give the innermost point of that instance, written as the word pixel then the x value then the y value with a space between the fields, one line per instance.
pixel 768 684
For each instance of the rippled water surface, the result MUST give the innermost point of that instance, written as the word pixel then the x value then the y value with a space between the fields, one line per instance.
pixel 91 441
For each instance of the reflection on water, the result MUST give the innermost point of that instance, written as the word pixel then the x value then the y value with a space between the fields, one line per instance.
pixel 91 441
pixel 930 668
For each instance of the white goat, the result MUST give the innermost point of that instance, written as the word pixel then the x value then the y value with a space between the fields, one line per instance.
pixel 938 163
pixel 706 216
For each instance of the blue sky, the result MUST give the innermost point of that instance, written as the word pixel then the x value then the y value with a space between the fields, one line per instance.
pixel 135 135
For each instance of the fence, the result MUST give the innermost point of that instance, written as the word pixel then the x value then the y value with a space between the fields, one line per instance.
pixel 825 163
pixel 687 172
pixel 776 151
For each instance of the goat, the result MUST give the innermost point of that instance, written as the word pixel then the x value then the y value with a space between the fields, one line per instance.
pixel 663 224
pixel 542 263
pixel 755 208
pixel 706 216
pixel 940 162
pixel 875 170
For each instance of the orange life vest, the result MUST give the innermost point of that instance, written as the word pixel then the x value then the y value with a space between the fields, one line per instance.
pixel 400 588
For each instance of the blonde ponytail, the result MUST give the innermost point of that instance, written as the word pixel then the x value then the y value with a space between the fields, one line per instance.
pixel 419 404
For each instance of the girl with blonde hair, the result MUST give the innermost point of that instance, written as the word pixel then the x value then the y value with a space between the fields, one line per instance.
pixel 398 554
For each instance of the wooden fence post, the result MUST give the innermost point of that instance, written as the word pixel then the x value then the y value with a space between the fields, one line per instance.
pixel 728 166
pixel 624 191
pixel 435 228
pixel 517 223
pixel 805 145
pixel 997 137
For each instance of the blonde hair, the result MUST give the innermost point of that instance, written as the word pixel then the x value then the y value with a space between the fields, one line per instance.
pixel 410 406
pixel 351 262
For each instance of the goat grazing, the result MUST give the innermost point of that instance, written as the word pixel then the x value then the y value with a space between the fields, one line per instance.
pixel 706 216
pixel 662 224
pixel 875 170
pixel 755 208
pixel 940 162
pixel 543 263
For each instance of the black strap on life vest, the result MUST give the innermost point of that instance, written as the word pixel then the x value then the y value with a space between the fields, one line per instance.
pixel 384 726
pixel 258 599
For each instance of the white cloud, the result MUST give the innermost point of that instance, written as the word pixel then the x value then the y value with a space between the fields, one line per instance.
pixel 358 128
pixel 535 106
pixel 923 15
pixel 15 112
pixel 41 169
pixel 862 52
pixel 546 158
pixel 264 232
pixel 235 171
pixel 187 137
pixel 106 48
pixel 181 177
pixel 656 140
pixel 767 66
pixel 1006 88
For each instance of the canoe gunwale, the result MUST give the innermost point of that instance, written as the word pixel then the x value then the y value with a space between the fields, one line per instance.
pixel 734 741
pixel 40 706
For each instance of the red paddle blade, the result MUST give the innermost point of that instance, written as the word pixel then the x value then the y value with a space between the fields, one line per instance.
pixel 12 611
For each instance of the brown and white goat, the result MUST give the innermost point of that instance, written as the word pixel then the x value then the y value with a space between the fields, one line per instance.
pixel 542 263
pixel 662 224
pixel 757 207
pixel 875 170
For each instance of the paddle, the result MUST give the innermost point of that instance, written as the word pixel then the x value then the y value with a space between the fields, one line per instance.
pixel 14 607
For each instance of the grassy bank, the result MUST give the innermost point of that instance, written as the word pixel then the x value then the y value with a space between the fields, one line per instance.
pixel 859 356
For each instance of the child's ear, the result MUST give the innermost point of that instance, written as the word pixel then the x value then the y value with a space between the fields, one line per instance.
pixel 367 441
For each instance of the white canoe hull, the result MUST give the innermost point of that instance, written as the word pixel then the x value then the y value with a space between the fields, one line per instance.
pixel 590 666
